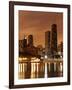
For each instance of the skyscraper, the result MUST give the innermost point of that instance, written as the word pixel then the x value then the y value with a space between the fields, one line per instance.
pixel 47 43
pixel 24 42
pixel 30 40
pixel 53 39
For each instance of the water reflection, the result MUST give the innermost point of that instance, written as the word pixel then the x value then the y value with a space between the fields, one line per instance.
pixel 40 69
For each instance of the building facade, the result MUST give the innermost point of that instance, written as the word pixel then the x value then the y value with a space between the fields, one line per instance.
pixel 53 44
pixel 24 42
pixel 47 43
pixel 30 40
pixel 60 49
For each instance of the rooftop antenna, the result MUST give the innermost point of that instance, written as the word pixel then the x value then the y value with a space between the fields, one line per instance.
pixel 25 37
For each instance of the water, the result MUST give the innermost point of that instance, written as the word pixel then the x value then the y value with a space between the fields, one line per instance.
pixel 28 69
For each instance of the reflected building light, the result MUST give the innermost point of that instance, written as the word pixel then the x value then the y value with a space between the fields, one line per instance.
pixel 61 67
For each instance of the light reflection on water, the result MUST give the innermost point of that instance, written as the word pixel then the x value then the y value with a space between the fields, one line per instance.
pixel 39 70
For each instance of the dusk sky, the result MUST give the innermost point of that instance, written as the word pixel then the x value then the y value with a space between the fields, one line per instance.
pixel 37 23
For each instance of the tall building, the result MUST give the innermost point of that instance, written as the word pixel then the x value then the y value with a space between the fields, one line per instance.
pixel 30 40
pixel 47 43
pixel 53 39
pixel 24 42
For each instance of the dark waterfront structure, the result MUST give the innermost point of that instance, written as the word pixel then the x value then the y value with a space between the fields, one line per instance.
pixel 47 43
pixel 30 40
pixel 53 40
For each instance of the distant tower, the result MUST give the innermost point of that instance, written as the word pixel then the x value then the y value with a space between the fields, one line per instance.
pixel 54 39
pixel 47 43
pixel 30 40
pixel 60 49
pixel 24 42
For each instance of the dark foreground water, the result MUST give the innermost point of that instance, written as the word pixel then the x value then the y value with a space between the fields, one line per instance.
pixel 40 70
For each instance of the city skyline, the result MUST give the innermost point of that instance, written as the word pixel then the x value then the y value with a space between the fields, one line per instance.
pixel 35 23
pixel 39 36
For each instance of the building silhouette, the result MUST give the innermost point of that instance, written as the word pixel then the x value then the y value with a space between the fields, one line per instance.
pixel 24 42
pixel 26 47
pixel 47 43
pixel 60 49
pixel 20 45
pixel 30 40
pixel 53 40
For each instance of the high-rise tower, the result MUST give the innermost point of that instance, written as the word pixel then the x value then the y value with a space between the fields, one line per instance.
pixel 47 43
pixel 24 42
pixel 53 39
pixel 30 40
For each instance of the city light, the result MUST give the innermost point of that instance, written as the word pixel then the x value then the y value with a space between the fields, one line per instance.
pixel 60 56
pixel 24 58
pixel 42 57
pixel 20 59
pixel 46 57
pixel 33 58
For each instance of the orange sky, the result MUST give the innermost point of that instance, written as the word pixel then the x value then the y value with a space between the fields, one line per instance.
pixel 37 23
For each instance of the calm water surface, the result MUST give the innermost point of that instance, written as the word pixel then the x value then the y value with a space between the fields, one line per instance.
pixel 39 70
